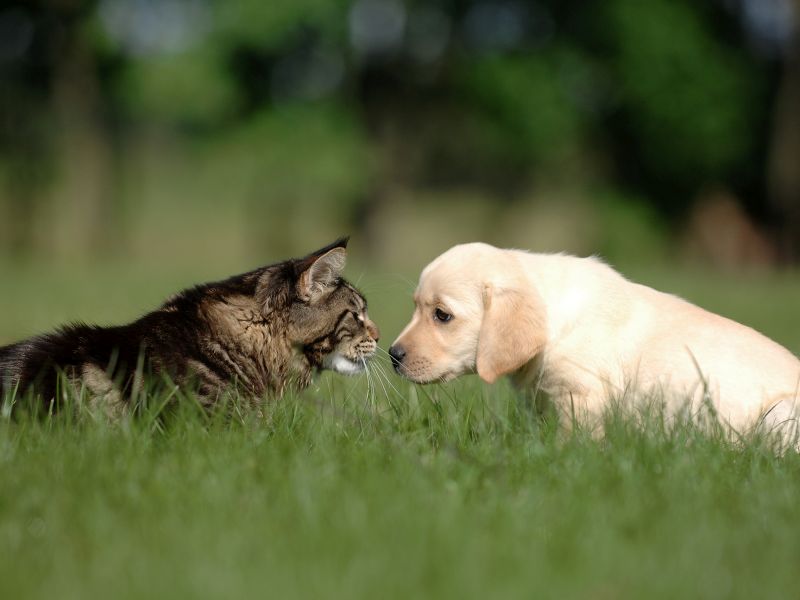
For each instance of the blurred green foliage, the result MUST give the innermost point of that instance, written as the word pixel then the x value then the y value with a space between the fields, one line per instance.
pixel 527 103
pixel 192 88
pixel 302 118
pixel 692 100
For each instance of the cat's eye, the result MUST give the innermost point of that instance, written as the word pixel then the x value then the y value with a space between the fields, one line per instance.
pixel 440 315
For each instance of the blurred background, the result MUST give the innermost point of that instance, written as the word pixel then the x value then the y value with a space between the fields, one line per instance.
pixel 169 140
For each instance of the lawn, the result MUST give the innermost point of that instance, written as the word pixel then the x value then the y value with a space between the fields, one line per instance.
pixel 372 488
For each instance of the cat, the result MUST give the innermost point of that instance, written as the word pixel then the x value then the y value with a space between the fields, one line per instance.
pixel 262 332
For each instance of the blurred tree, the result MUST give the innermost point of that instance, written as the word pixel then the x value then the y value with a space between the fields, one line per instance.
pixel 87 135
pixel 26 151
pixel 339 103
pixel 784 167
pixel 55 123
pixel 688 100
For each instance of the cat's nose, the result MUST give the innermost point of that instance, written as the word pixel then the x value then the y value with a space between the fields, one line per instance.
pixel 397 353
pixel 373 331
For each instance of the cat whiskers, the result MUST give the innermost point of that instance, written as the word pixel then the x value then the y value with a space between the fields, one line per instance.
pixel 381 377
pixel 372 376
pixel 376 376
pixel 370 384
pixel 379 368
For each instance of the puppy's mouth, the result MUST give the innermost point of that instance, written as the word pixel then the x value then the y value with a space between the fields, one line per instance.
pixel 422 376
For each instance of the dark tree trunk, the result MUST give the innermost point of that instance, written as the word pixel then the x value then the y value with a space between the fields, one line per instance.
pixel 784 160
pixel 86 151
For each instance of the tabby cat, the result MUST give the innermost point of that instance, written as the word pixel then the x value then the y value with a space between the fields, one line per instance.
pixel 261 331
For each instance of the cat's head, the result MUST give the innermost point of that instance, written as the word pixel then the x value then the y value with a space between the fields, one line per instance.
pixel 324 315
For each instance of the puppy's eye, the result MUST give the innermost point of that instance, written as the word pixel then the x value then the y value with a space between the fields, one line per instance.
pixel 440 315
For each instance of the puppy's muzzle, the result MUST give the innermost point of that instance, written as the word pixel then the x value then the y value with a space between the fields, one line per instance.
pixel 397 353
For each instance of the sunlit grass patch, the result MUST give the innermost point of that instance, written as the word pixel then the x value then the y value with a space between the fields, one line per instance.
pixel 376 487
pixel 349 491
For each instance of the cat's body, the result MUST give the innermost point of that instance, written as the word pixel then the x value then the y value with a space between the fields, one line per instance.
pixel 260 331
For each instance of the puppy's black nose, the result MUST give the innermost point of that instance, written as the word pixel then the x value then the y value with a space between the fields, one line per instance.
pixel 398 354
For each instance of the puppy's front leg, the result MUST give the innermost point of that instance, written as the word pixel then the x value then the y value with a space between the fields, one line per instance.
pixel 570 411
pixel 579 411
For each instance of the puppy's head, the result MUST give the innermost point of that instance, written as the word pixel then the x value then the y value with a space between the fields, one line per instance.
pixel 475 310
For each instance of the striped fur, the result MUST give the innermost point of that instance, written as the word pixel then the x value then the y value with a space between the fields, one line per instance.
pixel 261 331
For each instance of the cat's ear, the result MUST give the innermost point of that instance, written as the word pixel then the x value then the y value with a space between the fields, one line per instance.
pixel 281 284
pixel 321 271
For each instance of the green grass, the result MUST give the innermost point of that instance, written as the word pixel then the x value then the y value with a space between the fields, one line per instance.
pixel 454 492
pixel 352 491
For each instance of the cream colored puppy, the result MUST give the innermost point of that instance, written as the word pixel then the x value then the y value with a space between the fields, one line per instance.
pixel 578 331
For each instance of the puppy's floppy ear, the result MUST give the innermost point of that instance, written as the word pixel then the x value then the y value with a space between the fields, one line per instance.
pixel 317 272
pixel 512 333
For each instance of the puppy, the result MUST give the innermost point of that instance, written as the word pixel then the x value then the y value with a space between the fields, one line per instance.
pixel 580 333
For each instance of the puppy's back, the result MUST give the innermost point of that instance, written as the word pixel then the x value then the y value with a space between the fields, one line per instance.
pixel 748 368
pixel 629 331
